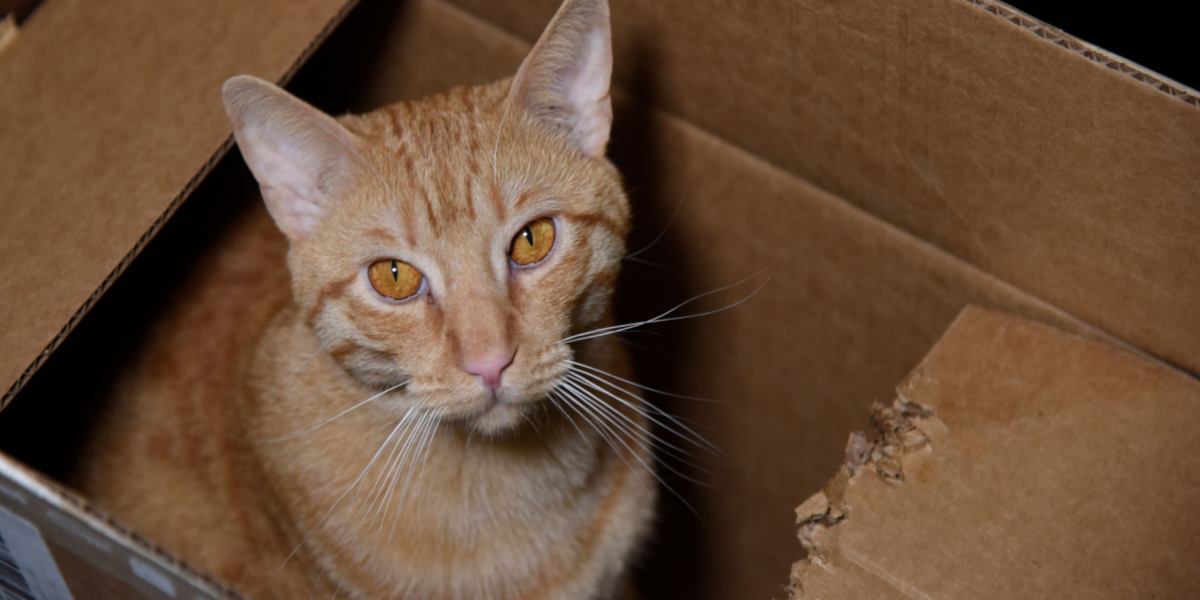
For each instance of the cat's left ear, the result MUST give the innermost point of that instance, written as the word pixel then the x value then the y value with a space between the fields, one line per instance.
pixel 564 82
pixel 301 157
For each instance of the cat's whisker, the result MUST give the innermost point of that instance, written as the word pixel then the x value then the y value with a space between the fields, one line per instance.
pixel 556 398
pixel 304 432
pixel 396 448
pixel 666 316
pixel 357 480
pixel 568 399
pixel 633 426
pixel 392 471
pixel 598 423
pixel 499 133
pixel 626 425
pixel 367 500
pixel 414 473
pixel 632 256
pixel 684 432
pixel 605 374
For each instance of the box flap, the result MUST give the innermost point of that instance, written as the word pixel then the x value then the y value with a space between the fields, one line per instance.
pixel 54 546
pixel 1028 462
pixel 1063 169
pixel 109 116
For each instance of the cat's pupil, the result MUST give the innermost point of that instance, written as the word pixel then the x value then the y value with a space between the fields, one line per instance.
pixel 395 271
pixel 527 235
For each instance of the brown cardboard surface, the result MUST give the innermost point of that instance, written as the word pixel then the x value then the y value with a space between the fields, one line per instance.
pixel 109 115
pixel 852 302
pixel 851 305
pixel 1050 467
pixel 1060 168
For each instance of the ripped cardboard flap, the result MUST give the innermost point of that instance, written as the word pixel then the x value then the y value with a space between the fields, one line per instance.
pixel 1016 461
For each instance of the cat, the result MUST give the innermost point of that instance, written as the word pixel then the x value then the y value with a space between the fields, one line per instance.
pixel 411 393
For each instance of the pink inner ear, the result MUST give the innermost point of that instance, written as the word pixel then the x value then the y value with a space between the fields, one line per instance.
pixel 565 79
pixel 298 154
pixel 588 94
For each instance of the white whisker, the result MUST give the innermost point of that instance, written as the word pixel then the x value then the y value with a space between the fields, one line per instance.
pixel 580 407
pixel 665 316
pixel 687 434
pixel 339 415
pixel 353 484
pixel 633 255
pixel 603 373
pixel 613 417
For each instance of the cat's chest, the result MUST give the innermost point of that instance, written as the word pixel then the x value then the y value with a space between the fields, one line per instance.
pixel 514 524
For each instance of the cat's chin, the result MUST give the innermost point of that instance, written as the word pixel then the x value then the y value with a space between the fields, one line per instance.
pixel 501 419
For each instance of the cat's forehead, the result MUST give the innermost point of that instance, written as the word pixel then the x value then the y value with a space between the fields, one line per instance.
pixel 447 125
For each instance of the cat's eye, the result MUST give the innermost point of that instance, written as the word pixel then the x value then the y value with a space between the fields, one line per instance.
pixel 533 242
pixel 394 279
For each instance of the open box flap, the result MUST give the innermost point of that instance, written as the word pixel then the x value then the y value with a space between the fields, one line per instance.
pixel 109 115
pixel 1063 169
pixel 62 548
pixel 1025 461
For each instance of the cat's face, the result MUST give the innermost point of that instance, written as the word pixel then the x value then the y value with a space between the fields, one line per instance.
pixel 451 244
pixel 479 335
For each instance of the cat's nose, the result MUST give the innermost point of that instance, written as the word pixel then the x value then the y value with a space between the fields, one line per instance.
pixel 489 367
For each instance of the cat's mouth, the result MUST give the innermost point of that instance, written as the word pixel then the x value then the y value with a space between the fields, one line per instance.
pixel 500 413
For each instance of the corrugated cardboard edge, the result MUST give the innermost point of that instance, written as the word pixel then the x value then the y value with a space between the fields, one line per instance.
pixel 902 438
pixel 78 509
pixel 1092 53
pixel 899 433
pixel 898 436
pixel 175 203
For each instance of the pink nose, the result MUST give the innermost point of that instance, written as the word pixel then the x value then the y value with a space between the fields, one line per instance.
pixel 489 367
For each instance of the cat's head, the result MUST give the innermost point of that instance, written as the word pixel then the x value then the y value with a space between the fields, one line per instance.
pixel 452 243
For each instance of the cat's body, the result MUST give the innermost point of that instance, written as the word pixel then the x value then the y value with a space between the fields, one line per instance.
pixel 365 435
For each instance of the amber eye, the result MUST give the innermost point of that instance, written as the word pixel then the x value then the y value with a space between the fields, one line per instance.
pixel 394 279
pixel 533 242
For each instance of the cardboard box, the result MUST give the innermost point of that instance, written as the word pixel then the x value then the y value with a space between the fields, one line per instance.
pixel 888 163
pixel 1015 462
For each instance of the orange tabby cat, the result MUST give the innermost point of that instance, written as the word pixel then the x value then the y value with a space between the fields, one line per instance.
pixel 425 415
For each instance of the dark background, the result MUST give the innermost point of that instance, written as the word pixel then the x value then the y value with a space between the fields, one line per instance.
pixel 1158 35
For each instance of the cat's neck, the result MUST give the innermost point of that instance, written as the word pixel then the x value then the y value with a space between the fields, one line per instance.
pixel 353 479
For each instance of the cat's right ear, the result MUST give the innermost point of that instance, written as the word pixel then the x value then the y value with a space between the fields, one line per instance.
pixel 300 156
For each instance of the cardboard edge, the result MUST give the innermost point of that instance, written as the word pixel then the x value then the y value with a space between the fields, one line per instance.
pixel 74 506
pixel 1088 51
pixel 216 156
pixel 897 434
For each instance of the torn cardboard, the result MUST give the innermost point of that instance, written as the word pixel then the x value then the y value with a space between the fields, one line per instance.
pixel 854 300
pixel 1017 461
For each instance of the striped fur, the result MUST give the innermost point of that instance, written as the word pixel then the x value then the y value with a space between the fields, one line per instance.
pixel 268 468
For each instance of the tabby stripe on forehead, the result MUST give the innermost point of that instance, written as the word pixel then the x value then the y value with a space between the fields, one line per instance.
pixel 429 213
pixel 469 195
pixel 522 199
pixel 381 235
pixel 497 201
